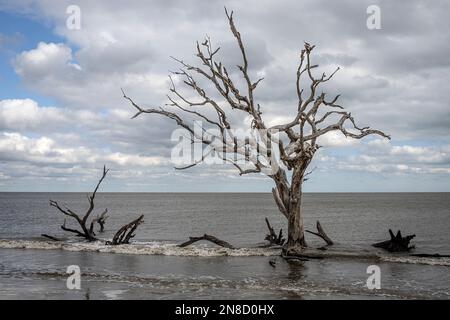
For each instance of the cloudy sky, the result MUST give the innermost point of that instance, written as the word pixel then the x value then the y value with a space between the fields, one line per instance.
pixel 62 115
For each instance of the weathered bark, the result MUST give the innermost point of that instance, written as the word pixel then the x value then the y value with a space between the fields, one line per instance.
pixel 126 232
pixel 209 238
pixel 397 243
pixel 321 233
pixel 272 237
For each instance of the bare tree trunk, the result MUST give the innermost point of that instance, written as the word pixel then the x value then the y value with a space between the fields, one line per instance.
pixel 296 234
pixel 288 198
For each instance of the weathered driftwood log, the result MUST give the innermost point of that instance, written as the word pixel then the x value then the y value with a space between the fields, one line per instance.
pixel 208 238
pixel 272 237
pixel 428 255
pixel 321 233
pixel 126 232
pixel 397 243
pixel 50 237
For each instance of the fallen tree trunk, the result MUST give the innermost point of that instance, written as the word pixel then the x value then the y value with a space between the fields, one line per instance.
pixel 272 237
pixel 397 243
pixel 208 238
pixel 427 255
pixel 321 233
pixel 126 232
pixel 50 237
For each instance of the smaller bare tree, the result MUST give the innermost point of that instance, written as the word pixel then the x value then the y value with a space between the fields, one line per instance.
pixel 85 232
pixel 122 236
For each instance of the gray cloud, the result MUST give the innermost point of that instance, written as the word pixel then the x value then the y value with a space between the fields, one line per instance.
pixel 393 79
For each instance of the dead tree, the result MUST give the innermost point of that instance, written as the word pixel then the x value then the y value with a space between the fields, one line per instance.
pixel 87 230
pixel 122 236
pixel 284 151
pixel 321 233
pixel 397 243
pixel 126 233
pixel 208 238
pixel 272 237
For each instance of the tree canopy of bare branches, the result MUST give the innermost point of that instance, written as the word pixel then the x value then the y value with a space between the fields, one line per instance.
pixel 315 115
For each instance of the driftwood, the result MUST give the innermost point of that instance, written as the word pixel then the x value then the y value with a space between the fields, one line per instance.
pixel 50 237
pixel 397 243
pixel 126 232
pixel 123 235
pixel 428 255
pixel 100 219
pixel 321 233
pixel 85 232
pixel 272 237
pixel 208 238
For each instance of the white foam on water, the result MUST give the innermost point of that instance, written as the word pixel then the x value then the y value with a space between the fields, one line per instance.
pixel 147 248
pixel 172 249
pixel 417 260
pixel 113 294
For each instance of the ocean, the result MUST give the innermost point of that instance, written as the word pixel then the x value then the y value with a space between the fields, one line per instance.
pixel 154 267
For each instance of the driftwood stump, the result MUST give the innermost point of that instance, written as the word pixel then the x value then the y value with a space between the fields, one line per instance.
pixel 209 238
pixel 272 237
pixel 397 243
pixel 125 233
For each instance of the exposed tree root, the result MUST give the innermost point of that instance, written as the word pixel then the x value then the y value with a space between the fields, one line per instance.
pixel 126 232
pixel 397 243
pixel 208 238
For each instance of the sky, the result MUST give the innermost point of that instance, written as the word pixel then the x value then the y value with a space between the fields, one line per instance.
pixel 62 114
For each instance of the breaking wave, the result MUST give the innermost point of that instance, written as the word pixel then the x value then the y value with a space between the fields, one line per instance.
pixel 172 249
pixel 142 248
pixel 417 260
